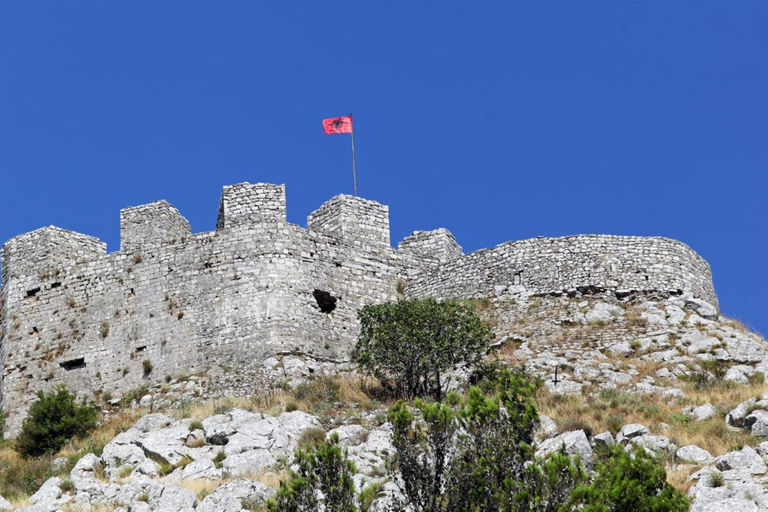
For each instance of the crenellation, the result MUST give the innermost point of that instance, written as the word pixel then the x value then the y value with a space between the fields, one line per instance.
pixel 427 249
pixel 150 225
pixel 247 204
pixel 260 287
pixel 354 219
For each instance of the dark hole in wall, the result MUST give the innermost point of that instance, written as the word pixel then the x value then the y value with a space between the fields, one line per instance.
pixel 325 300
pixel 141 349
pixel 73 364
pixel 33 292
pixel 55 285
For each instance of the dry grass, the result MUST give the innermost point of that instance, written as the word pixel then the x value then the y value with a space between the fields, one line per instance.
pixel 20 477
pixel 609 410
pixel 678 478
pixel 201 488
pixel 323 396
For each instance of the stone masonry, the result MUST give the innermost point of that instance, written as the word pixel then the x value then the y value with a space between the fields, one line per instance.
pixel 173 302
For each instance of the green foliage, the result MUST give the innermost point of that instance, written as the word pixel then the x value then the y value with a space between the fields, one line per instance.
pixel 53 420
pixel 219 458
pixel 625 482
pixel 369 495
pixel 476 453
pixel 716 479
pixel 21 480
pixel 410 345
pixel 196 425
pixel 323 468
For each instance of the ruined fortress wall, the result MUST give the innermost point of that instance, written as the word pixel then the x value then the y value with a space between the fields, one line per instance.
pixel 252 289
pixel 170 302
pixel 571 264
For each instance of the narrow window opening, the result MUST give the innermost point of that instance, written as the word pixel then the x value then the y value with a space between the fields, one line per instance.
pixel 325 301
pixel 73 364
pixel 141 349
pixel 33 292
pixel 55 285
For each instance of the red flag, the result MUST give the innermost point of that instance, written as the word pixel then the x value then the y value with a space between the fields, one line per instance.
pixel 338 124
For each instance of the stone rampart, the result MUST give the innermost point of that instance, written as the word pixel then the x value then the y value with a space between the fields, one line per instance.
pixel 571 264
pixel 171 302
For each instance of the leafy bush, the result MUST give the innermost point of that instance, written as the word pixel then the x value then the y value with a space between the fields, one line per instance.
pixel 476 453
pixel 629 482
pixel 410 345
pixel 323 468
pixel 53 420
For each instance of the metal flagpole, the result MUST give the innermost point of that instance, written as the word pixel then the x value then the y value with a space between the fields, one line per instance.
pixel 354 163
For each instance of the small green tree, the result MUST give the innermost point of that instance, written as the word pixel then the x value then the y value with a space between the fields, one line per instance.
pixel 325 468
pixel 53 420
pixel 477 453
pixel 625 482
pixel 409 345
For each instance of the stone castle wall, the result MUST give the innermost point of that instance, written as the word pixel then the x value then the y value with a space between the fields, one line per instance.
pixel 171 302
pixel 570 265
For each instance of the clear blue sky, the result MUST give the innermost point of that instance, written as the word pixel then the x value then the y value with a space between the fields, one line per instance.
pixel 496 120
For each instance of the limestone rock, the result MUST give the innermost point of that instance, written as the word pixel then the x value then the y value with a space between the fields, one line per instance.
pixel 86 467
pixel 234 496
pixel 547 428
pixel 573 443
pixel 758 420
pixel 627 432
pixel 746 460
pixel 693 454
pixel 703 308
pixel 349 435
pixel 652 443
pixel 703 412
pixel 604 439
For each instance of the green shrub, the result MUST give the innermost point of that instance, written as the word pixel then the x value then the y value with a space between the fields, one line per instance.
pixel 477 453
pixel 104 329
pixel 323 468
pixel 22 480
pixel 147 365
pixel 409 345
pixel 369 495
pixel 53 420
pixel 716 479
pixel 629 482
pixel 196 425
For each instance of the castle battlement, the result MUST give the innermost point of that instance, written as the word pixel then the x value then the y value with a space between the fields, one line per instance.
pixel 259 286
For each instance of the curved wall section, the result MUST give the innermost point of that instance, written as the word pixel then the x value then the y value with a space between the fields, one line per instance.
pixel 621 264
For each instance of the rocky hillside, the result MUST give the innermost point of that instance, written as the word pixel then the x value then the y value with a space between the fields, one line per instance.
pixel 665 373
